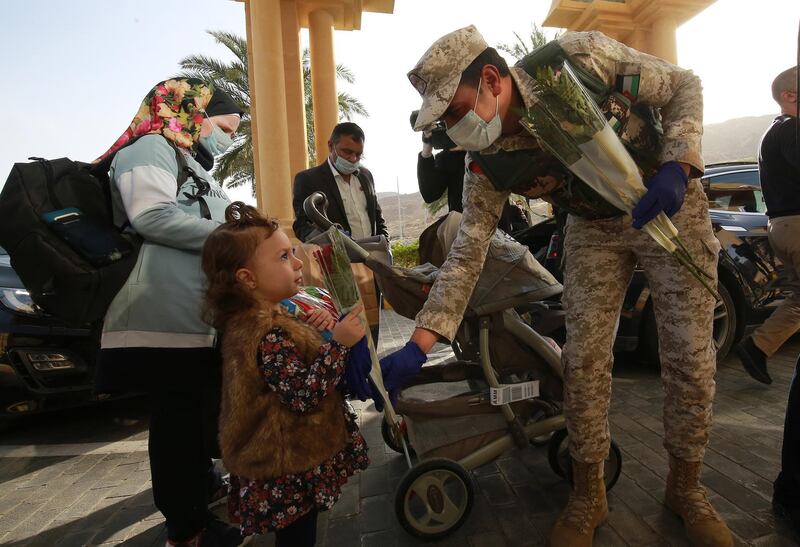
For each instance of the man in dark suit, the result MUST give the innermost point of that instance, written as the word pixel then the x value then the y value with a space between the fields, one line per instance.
pixel 348 186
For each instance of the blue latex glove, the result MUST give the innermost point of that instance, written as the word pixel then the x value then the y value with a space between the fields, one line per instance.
pixel 665 192
pixel 356 371
pixel 400 367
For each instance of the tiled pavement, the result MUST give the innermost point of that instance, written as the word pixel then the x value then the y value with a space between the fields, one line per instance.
pixel 82 478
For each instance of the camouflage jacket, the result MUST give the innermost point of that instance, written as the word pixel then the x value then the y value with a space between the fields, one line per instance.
pixel 675 91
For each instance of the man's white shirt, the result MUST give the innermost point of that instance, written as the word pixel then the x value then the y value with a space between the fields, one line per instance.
pixel 355 203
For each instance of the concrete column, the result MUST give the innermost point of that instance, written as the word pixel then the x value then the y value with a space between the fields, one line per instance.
pixel 662 39
pixel 253 116
pixel 323 79
pixel 268 91
pixel 293 74
pixel 638 39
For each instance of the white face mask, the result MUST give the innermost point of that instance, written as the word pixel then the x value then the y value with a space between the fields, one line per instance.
pixel 472 133
pixel 345 166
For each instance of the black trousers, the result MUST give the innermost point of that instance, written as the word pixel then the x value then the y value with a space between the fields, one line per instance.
pixel 787 485
pixel 301 533
pixel 183 439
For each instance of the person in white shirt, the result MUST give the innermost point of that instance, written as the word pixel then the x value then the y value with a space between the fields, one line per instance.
pixel 346 183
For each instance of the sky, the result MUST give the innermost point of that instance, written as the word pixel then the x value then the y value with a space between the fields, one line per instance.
pixel 75 72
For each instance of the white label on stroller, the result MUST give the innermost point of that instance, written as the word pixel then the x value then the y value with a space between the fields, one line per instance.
pixel 514 392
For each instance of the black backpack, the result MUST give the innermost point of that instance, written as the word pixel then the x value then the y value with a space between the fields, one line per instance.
pixel 57 226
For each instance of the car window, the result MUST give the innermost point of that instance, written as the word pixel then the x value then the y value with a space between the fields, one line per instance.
pixel 738 192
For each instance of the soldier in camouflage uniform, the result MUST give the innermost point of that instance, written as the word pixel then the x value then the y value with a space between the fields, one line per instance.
pixel 602 247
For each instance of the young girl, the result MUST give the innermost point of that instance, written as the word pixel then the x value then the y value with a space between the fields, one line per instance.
pixel 287 435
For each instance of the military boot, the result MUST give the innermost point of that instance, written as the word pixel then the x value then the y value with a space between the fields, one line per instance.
pixel 586 508
pixel 686 498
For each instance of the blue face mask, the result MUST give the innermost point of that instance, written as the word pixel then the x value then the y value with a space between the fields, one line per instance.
pixel 346 167
pixel 217 142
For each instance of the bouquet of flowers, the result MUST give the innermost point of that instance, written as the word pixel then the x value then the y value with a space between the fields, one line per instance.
pixel 568 123
pixel 338 276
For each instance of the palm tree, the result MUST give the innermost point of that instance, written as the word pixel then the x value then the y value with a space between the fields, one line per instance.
pixel 520 48
pixel 235 167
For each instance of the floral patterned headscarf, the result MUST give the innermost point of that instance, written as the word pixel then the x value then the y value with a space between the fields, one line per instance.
pixel 173 108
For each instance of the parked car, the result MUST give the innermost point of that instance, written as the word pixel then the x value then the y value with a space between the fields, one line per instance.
pixel 45 364
pixel 751 278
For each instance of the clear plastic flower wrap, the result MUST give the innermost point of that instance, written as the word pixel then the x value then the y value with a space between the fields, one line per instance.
pixel 341 284
pixel 567 122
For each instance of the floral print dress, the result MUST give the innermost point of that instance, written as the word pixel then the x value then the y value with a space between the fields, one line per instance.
pixel 264 505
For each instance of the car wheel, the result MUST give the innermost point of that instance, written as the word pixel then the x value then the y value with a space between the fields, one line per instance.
pixel 725 324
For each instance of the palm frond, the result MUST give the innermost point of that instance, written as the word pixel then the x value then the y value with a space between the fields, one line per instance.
pixel 344 73
pixel 521 47
pixel 349 106
pixel 233 42
pixel 203 64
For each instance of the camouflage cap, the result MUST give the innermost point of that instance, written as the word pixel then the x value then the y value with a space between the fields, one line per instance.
pixel 438 72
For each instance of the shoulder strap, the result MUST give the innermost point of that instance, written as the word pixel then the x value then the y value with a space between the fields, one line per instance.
pixel 183 167
pixel 203 187
pixel 184 171
pixel 507 169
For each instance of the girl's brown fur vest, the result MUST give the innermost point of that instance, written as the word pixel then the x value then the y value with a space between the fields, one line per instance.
pixel 259 436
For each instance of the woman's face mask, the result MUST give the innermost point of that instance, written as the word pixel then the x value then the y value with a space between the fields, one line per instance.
pixel 472 133
pixel 217 142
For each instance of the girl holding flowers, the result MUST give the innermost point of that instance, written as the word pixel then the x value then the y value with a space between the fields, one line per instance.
pixel 287 435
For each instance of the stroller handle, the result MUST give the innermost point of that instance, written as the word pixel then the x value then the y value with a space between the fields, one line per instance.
pixel 315 207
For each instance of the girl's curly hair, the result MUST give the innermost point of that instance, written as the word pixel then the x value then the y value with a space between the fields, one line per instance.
pixel 226 250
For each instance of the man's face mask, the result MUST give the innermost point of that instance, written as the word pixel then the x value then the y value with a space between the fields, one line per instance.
pixel 344 166
pixel 217 142
pixel 473 133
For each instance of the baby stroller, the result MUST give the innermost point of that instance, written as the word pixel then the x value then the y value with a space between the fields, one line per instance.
pixel 513 373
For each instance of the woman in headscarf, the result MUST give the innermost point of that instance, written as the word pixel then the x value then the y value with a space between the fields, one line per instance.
pixel 154 339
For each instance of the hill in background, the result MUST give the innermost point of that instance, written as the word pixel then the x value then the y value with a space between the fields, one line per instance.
pixel 414 214
pixel 732 140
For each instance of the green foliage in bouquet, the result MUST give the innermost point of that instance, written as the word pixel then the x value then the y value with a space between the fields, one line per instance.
pixel 336 271
pixel 577 113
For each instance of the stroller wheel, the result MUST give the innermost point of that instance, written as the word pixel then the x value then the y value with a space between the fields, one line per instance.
pixel 561 462
pixel 434 498
pixel 391 441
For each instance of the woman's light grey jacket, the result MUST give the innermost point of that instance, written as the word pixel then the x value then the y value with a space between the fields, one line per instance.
pixel 159 306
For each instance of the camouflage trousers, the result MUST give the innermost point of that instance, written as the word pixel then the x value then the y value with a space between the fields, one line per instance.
pixel 600 259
